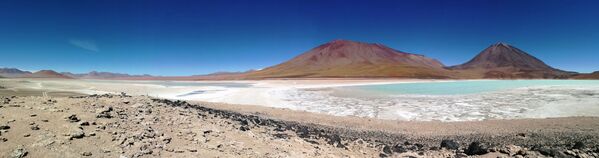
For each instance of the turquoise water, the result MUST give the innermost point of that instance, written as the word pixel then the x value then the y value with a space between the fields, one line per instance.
pixel 468 87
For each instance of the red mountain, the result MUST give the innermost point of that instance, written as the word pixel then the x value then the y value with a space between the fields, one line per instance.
pixel 48 74
pixel 505 61
pixel 343 58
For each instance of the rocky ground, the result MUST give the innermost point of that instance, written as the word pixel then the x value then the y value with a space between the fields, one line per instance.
pixel 141 126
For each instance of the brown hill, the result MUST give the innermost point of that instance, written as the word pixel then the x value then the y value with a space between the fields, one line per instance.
pixel 343 58
pixel 48 74
pixel 505 61
pixel 594 75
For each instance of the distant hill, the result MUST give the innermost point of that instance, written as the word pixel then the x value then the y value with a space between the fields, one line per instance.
pixel 48 74
pixel 103 75
pixel 594 75
pixel 344 58
pixel 16 73
pixel 505 61
pixel 13 72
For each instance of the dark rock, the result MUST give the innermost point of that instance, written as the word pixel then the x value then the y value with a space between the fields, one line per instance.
pixel 387 150
pixel 73 118
pixel 87 153
pixel 399 149
pixel 418 146
pixel 4 127
pixel 335 140
pixel 578 145
pixel 244 122
pixel 477 148
pixel 84 123
pixel 244 128
pixel 450 144
pixel 105 112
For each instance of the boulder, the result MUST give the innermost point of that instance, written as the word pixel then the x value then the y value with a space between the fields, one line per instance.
pixel 450 144
pixel 477 148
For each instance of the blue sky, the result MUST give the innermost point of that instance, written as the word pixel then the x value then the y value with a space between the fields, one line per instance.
pixel 197 37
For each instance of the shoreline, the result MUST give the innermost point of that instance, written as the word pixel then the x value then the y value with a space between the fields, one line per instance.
pixel 285 94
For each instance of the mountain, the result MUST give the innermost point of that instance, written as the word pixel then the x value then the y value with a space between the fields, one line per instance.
pixel 13 72
pixel 594 75
pixel 48 74
pixel 344 58
pixel 501 60
pixel 16 73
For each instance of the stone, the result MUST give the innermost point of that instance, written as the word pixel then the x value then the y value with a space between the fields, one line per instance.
pixel 26 135
pixel 450 144
pixel 35 127
pixel 399 149
pixel 477 148
pixel 73 118
pixel 244 128
pixel 20 152
pixel 4 127
pixel 84 123
pixel 87 153
pixel 387 150
pixel 105 112
pixel 76 134
pixel 511 150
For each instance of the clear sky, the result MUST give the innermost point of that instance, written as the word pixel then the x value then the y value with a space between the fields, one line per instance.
pixel 175 37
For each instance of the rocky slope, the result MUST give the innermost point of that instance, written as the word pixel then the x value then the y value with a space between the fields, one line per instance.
pixel 505 61
pixel 343 58
pixel 140 126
